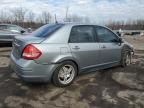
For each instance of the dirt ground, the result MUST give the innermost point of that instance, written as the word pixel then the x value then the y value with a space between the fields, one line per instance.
pixel 111 88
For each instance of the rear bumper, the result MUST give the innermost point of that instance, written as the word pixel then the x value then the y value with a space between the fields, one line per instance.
pixel 30 71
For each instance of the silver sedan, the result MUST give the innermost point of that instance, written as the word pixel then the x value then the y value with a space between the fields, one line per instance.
pixel 60 52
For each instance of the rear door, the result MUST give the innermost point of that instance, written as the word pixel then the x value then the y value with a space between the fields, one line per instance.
pixel 110 48
pixel 84 46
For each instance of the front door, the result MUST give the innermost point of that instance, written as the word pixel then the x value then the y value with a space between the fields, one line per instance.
pixel 110 48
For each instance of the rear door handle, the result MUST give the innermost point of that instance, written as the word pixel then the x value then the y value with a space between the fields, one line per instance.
pixel 103 46
pixel 76 47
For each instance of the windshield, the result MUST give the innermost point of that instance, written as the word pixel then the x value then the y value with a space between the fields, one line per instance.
pixel 46 30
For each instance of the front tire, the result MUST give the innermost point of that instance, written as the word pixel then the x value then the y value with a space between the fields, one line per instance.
pixel 65 74
pixel 126 58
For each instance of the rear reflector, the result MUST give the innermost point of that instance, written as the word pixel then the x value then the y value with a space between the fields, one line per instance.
pixel 30 52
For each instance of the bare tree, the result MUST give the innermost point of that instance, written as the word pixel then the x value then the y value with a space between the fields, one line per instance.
pixel 86 20
pixel 77 19
pixel 30 19
pixel 46 17
pixel 19 15
pixel 30 16
pixel 39 19
pixel 5 17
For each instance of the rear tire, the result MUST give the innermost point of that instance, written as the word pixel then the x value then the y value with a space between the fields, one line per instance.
pixel 65 74
pixel 126 58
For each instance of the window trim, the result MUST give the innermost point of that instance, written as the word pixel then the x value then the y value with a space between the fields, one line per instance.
pixel 108 30
pixel 94 33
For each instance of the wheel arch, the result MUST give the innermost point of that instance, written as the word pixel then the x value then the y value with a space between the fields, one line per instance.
pixel 67 58
pixel 71 60
pixel 127 47
pixel 62 61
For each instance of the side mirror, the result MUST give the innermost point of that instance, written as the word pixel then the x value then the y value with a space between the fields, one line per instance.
pixel 118 33
pixel 118 41
pixel 22 31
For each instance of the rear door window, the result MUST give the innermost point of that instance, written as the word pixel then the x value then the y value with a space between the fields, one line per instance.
pixel 82 34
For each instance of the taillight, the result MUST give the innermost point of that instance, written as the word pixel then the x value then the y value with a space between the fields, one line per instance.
pixel 30 52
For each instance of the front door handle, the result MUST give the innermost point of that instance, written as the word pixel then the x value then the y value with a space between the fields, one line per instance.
pixel 76 47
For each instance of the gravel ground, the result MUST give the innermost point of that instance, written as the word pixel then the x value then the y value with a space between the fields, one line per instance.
pixel 111 88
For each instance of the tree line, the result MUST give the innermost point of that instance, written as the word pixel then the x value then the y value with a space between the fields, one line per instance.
pixel 127 25
pixel 26 18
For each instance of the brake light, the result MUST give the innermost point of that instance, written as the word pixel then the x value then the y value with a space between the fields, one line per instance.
pixel 30 52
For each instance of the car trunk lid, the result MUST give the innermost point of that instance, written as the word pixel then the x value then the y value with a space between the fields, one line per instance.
pixel 19 44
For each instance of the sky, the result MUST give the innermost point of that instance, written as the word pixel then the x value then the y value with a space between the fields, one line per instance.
pixel 98 11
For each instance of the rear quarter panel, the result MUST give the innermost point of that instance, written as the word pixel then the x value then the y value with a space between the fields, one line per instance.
pixel 53 53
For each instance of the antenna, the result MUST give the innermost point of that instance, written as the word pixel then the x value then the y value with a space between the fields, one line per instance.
pixel 56 19
pixel 67 9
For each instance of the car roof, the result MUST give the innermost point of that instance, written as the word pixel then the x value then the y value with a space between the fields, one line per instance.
pixel 79 24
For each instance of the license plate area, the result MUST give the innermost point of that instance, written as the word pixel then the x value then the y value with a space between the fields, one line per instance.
pixel 16 51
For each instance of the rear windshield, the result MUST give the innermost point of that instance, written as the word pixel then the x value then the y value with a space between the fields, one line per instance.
pixel 46 30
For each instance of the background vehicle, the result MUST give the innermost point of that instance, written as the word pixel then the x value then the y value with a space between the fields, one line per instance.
pixel 59 52
pixel 8 31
